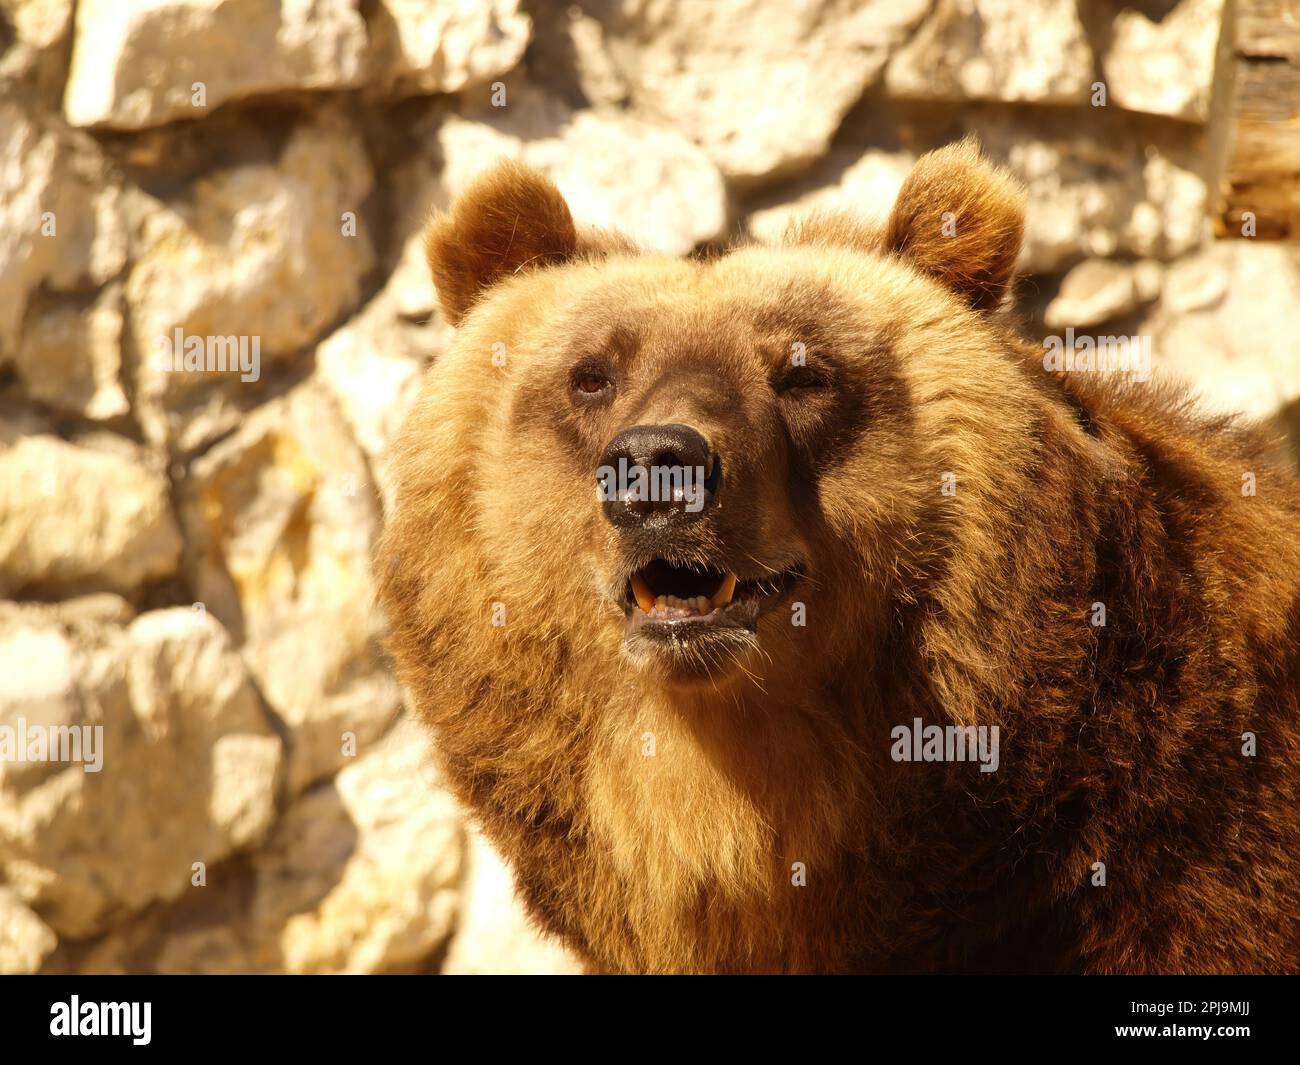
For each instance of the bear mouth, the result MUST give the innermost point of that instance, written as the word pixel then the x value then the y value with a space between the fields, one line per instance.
pixel 667 598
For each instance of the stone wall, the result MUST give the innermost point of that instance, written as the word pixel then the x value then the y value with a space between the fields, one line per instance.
pixel 184 551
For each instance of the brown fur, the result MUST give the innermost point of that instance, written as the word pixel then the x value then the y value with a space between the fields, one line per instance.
pixel 1120 744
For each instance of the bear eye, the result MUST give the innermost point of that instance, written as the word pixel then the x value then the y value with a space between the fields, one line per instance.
pixel 590 382
pixel 800 378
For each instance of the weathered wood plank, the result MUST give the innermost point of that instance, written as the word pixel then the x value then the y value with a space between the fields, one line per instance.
pixel 1260 106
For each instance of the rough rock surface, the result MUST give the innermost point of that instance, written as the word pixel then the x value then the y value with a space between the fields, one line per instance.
pixel 431 46
pixel 643 179
pixel 70 357
pixel 271 253
pixel 187 760
pixel 867 185
pixel 140 64
pixel 360 875
pixel 1165 66
pixel 60 219
pixel 372 366
pixel 76 518
pixel 1088 199
pixel 25 940
pixel 996 50
pixel 1223 325
pixel 760 86
pixel 494 934
pixel 280 518
pixel 1098 290
pixel 38 29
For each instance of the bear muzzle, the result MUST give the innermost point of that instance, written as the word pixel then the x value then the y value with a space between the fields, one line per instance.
pixel 657 477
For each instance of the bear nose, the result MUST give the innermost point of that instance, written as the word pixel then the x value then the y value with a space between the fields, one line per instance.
pixel 656 474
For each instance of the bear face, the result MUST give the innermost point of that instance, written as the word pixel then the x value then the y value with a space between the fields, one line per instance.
pixel 670 700
pixel 775 379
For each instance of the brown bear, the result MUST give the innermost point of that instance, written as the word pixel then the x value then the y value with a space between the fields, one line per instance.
pixel 781 611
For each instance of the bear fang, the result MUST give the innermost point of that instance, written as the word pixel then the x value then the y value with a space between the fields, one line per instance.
pixel 102 1018
pixel 951 743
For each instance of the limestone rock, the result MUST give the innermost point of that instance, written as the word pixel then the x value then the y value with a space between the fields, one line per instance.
pixel 60 217
pixel 263 255
pixel 615 170
pixel 70 355
pixel 1089 198
pixel 866 188
pixel 25 940
pixel 643 180
pixel 281 517
pixel 761 87
pixel 494 935
pixel 359 876
pixel 1148 281
pixel 82 517
pixel 598 75
pixel 37 23
pixel 1197 282
pixel 373 365
pixel 1084 198
pixel 1165 67
pixel 996 50
pixel 387 899
pixel 1227 332
pixel 39 28
pixel 95 609
pixel 1097 290
pixel 436 46
pixel 137 65
pixel 186 761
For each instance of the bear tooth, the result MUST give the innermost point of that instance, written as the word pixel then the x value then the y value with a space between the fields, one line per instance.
pixel 725 590
pixel 641 592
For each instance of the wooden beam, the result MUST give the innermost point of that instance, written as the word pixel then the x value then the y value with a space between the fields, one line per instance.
pixel 1258 109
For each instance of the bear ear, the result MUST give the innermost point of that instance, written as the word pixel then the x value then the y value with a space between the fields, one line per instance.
pixel 960 220
pixel 510 218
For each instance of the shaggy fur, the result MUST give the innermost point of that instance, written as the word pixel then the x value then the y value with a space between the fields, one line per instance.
pixel 653 808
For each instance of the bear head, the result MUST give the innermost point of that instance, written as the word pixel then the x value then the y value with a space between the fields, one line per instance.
pixel 699 471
